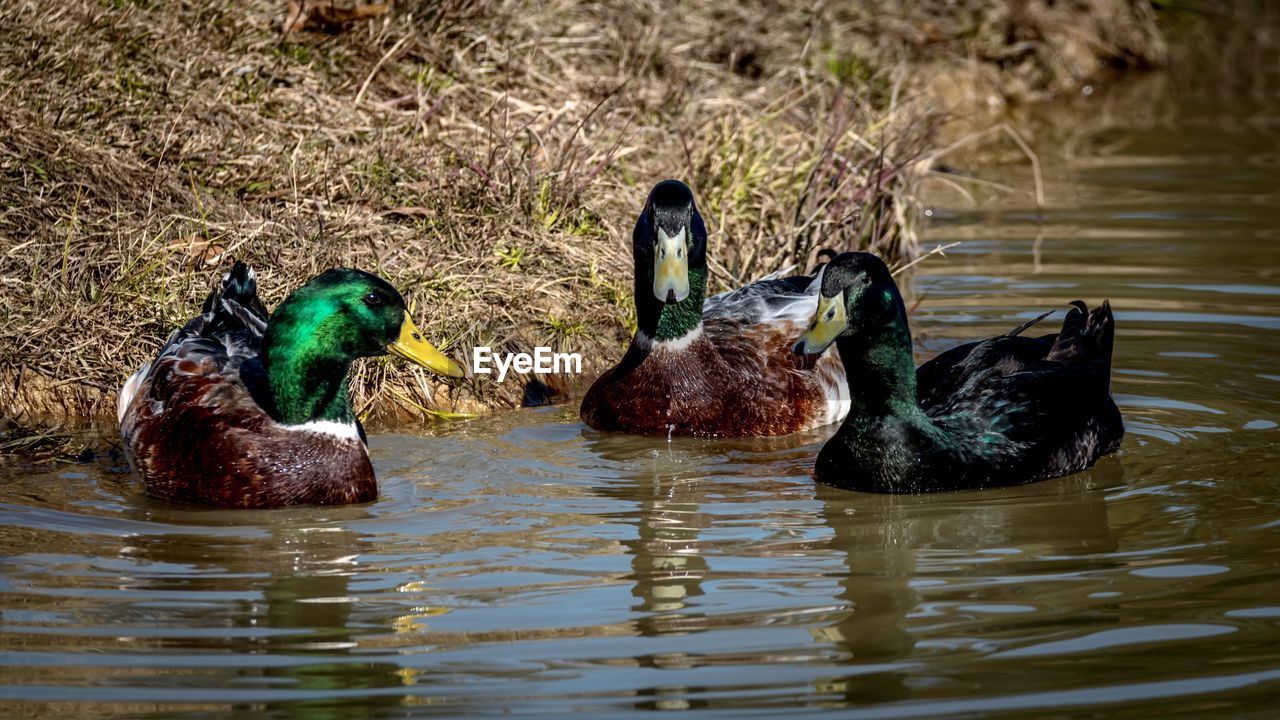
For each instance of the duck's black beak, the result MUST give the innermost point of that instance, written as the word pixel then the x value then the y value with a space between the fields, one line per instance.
pixel 830 320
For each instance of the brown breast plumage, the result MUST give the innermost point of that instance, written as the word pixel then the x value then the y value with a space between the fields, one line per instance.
pixel 728 380
pixel 194 434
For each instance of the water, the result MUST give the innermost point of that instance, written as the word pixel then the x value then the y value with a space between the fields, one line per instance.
pixel 522 564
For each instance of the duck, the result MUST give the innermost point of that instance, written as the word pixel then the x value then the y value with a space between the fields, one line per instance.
pixel 710 367
pixel 244 410
pixel 997 412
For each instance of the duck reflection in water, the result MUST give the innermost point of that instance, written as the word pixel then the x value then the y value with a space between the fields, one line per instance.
pixel 667 562
pixel 298 607
pixel 889 549
pixel 904 555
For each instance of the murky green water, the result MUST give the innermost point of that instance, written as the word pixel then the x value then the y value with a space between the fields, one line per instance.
pixel 525 565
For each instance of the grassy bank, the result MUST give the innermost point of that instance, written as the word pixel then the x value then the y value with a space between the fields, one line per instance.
pixel 487 157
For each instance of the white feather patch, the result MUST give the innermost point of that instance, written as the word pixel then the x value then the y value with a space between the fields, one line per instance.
pixel 129 390
pixel 838 402
pixel 342 431
pixel 675 345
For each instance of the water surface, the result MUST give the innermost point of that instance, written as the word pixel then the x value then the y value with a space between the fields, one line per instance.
pixel 523 564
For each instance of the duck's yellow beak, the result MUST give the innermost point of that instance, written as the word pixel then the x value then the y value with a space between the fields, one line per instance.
pixel 830 320
pixel 413 348
pixel 671 267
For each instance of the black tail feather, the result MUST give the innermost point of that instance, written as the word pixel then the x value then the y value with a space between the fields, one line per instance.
pixel 1069 344
pixel 1100 331
pixel 1085 334
pixel 238 286
pixel 240 283
pixel 235 302
pixel 1023 327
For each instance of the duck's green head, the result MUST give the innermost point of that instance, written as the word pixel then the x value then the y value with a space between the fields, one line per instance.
pixel 669 246
pixel 858 294
pixel 316 333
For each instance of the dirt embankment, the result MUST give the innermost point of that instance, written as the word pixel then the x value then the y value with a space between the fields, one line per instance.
pixel 487 157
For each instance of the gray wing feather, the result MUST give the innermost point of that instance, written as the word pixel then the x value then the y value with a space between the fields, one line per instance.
pixel 772 299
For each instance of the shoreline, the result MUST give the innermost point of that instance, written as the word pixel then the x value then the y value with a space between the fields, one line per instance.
pixel 487 162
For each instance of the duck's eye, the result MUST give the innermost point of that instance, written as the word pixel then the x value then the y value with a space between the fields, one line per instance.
pixel 866 279
pixel 374 300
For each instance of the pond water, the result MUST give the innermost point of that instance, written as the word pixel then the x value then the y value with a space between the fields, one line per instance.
pixel 523 564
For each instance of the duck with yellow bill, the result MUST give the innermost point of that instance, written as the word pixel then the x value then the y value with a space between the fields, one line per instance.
pixel 1003 411
pixel 243 410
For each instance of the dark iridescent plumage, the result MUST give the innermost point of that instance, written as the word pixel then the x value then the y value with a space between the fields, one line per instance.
pixel 1003 411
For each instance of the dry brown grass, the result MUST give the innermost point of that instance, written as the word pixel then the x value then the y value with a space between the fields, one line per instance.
pixel 487 157
pixel 978 52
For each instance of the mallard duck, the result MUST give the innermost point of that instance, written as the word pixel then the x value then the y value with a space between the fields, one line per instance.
pixel 719 366
pixel 239 410
pixel 1003 411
